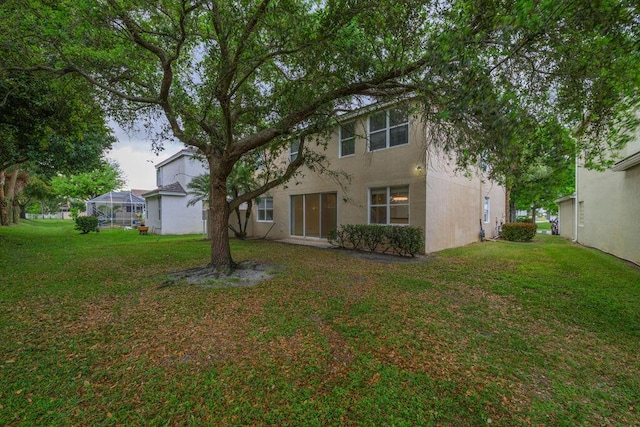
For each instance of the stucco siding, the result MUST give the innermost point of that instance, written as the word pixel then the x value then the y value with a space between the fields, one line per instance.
pixel 182 167
pixel 455 206
pixel 391 167
pixel 447 206
pixel 178 218
pixel 152 220
pixel 609 209
pixel 167 210
pixel 566 218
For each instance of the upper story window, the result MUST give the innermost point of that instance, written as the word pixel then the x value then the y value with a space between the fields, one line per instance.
pixel 159 177
pixel 486 214
pixel 388 128
pixel 261 160
pixel 294 147
pixel 347 139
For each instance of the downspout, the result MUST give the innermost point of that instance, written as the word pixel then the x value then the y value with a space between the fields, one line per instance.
pixel 426 198
pixel 576 204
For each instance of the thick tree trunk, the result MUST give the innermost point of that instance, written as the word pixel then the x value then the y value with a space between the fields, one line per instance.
pixel 512 211
pixel 219 221
pixel 15 212
pixel 4 217
pixel 7 194
pixel 509 207
pixel 11 194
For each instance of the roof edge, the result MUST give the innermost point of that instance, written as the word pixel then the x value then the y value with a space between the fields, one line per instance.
pixel 565 198
pixel 627 163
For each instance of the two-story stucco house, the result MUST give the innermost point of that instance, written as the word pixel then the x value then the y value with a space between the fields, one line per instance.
pixel 167 211
pixel 395 179
pixel 605 211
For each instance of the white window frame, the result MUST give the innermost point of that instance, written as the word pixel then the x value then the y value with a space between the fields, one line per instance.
pixel 261 206
pixel 487 210
pixel 388 205
pixel 351 138
pixel 294 154
pixel 388 128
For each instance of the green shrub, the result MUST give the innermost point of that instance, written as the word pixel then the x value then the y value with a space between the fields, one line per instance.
pixel 405 241
pixel 355 235
pixel 519 231
pixel 373 236
pixel 86 224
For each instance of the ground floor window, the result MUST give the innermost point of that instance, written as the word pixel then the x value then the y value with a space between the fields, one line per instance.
pixel 313 215
pixel 389 205
pixel 265 209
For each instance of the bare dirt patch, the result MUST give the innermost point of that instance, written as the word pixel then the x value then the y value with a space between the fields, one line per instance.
pixel 246 274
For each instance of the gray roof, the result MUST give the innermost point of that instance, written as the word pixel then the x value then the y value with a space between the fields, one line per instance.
pixel 175 188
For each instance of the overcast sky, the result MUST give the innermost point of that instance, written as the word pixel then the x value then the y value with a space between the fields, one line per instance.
pixel 137 161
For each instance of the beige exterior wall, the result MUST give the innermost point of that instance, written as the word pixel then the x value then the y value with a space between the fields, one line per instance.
pixel 609 208
pixel 448 207
pixel 566 217
pixel 455 206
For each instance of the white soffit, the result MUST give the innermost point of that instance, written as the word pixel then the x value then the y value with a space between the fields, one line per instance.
pixel 627 163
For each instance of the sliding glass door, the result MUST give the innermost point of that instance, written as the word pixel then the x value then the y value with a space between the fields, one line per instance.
pixel 313 215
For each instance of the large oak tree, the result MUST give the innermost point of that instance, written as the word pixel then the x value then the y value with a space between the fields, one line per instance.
pixel 233 77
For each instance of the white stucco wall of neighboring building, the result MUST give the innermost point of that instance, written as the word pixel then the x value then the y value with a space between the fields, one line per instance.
pixel 167 210
pixel 178 218
pixel 608 206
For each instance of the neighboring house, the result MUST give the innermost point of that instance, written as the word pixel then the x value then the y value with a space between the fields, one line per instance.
pixel 167 211
pixel 396 180
pixel 605 211
pixel 116 208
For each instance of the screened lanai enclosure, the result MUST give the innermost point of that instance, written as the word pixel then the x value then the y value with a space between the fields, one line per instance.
pixel 117 208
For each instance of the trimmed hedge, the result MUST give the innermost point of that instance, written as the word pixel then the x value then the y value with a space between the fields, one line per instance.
pixel 519 231
pixel 86 224
pixel 401 240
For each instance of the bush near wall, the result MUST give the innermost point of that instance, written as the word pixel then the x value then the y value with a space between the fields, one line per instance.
pixel 86 224
pixel 400 240
pixel 519 231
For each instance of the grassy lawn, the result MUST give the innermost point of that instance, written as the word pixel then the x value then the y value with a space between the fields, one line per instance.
pixel 543 333
pixel 543 225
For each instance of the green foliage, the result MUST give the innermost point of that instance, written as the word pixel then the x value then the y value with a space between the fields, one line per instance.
pixel 88 185
pixel 53 125
pixel 405 240
pixel 86 224
pixel 400 240
pixel 519 231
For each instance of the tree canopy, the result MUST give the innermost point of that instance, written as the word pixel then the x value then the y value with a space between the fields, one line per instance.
pixel 234 77
pixel 88 185
pixel 48 125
